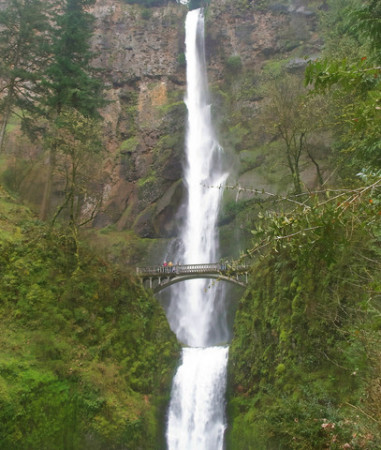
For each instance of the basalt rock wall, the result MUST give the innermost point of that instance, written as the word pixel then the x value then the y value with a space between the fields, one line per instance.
pixel 142 54
pixel 138 51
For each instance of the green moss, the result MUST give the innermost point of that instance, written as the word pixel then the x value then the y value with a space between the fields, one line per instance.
pixel 11 127
pixel 148 180
pixel 297 353
pixel 234 64
pixel 86 357
pixel 174 107
pixel 274 68
pixel 129 145
pixel 181 61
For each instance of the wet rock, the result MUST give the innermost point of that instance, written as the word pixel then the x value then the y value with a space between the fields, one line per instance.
pixel 143 225
pixel 297 64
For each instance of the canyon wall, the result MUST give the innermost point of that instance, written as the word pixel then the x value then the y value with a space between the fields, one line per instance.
pixel 142 54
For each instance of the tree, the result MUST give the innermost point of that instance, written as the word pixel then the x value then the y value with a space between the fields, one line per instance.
pixel 71 80
pixel 293 117
pixel 76 139
pixel 24 47
pixel 358 80
pixel 366 20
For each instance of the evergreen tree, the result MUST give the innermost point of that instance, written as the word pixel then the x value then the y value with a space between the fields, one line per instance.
pixel 72 81
pixel 24 48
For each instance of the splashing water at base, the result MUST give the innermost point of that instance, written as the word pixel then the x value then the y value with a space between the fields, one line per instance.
pixel 199 385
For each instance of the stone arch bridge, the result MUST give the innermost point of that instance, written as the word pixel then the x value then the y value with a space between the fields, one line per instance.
pixel 158 278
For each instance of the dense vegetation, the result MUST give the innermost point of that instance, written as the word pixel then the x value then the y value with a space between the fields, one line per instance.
pixel 305 359
pixel 47 75
pixel 304 362
pixel 86 353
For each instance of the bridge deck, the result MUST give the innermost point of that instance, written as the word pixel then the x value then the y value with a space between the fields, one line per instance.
pixel 215 268
pixel 160 277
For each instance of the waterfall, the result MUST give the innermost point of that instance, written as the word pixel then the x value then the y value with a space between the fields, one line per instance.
pixel 196 312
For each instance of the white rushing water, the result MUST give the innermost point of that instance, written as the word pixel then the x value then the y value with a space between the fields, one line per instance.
pixel 196 416
pixel 196 313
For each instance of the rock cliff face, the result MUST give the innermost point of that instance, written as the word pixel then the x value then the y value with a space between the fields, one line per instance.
pixel 142 54
pixel 144 123
pixel 257 35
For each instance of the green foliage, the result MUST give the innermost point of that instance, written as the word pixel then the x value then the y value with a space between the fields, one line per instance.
pixel 274 68
pixel 302 360
pixel 366 20
pixel 355 82
pixel 146 14
pixel 295 119
pixel 70 79
pixel 181 61
pixel 129 145
pixel 86 356
pixel 234 64
pixel 231 209
pixel 77 146
pixel 194 4
pixel 244 5
pixel 46 63
pixel 360 82
pixel 24 41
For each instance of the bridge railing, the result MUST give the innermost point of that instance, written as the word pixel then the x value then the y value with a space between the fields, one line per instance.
pixel 190 268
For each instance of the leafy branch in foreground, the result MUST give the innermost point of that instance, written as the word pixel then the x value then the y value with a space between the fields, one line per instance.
pixel 315 218
pixel 356 81
pixel 312 211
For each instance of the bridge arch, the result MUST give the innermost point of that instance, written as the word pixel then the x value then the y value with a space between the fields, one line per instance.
pixel 178 279
pixel 158 278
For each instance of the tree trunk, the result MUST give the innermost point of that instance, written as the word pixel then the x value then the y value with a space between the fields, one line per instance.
pixel 48 186
pixel 73 218
pixel 318 172
pixel 296 179
pixel 293 164
pixel 4 123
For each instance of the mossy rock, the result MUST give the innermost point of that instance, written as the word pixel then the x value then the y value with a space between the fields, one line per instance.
pixel 143 224
pixel 150 189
